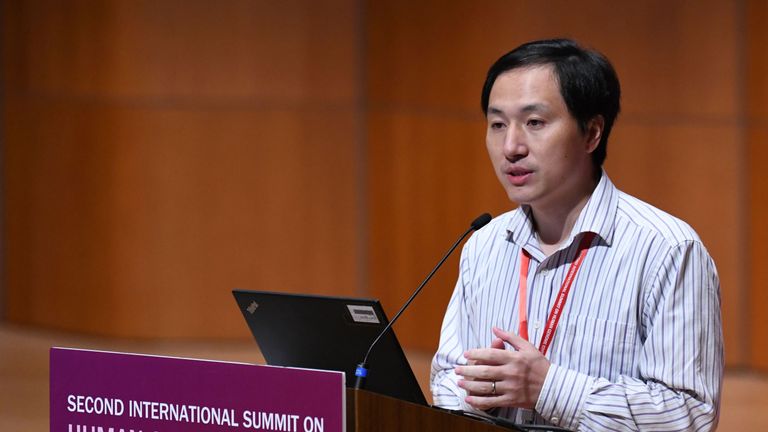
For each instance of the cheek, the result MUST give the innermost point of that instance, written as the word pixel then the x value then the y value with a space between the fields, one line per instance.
pixel 492 150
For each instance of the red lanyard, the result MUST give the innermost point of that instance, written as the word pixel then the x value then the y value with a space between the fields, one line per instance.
pixel 557 308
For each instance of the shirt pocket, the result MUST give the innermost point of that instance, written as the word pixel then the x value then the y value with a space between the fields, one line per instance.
pixel 599 347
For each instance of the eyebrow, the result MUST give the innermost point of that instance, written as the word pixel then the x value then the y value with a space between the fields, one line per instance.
pixel 534 107
pixel 492 110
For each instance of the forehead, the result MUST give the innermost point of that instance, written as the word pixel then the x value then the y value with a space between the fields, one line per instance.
pixel 519 88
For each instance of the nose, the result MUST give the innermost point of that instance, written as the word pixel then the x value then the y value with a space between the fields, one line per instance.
pixel 514 146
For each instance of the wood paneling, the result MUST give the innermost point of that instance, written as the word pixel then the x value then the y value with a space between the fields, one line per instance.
pixel 232 51
pixel 756 50
pixel 757 203
pixel 142 225
pixel 160 154
pixel 758 206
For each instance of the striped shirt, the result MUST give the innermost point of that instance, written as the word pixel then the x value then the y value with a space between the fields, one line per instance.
pixel 639 343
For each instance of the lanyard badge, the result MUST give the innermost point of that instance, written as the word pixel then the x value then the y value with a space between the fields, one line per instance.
pixel 562 296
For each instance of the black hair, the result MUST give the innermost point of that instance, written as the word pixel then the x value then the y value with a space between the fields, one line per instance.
pixel 588 83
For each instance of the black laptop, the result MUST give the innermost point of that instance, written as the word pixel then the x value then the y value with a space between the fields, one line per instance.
pixel 330 333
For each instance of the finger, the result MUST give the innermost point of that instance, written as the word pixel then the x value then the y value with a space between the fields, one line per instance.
pixel 497 343
pixel 488 356
pixel 479 372
pixel 478 388
pixel 513 339
pixel 485 402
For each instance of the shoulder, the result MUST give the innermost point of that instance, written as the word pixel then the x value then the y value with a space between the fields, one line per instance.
pixel 674 253
pixel 636 214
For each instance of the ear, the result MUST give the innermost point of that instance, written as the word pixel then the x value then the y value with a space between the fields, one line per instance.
pixel 594 133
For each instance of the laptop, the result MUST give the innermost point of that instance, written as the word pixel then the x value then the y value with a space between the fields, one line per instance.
pixel 330 333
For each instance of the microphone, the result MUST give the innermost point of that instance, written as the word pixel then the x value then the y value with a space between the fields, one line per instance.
pixel 361 372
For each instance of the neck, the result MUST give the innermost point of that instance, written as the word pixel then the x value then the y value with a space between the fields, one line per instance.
pixel 554 223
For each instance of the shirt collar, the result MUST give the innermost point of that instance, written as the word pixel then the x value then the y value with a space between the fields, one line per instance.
pixel 598 216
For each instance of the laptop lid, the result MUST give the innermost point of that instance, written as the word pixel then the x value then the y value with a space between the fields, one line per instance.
pixel 330 333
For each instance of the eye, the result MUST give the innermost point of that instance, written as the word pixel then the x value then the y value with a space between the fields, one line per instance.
pixel 535 123
pixel 496 125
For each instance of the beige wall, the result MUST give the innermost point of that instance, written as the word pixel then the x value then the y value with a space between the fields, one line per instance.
pixel 160 153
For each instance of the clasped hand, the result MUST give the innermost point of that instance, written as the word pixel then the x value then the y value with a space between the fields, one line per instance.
pixel 497 377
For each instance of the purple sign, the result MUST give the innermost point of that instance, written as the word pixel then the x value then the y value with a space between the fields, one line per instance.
pixel 96 391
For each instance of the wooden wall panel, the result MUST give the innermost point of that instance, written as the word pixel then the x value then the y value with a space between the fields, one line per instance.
pixel 159 154
pixel 757 202
pixel 145 225
pixel 679 68
pixel 278 53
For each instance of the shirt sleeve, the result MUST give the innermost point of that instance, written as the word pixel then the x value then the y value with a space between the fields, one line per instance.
pixel 681 362
pixel 455 335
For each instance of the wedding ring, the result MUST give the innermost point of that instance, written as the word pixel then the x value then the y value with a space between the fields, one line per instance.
pixel 493 387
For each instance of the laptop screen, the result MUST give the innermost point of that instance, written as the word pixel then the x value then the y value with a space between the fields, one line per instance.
pixel 330 333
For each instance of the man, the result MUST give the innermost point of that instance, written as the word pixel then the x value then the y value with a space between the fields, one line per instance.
pixel 584 308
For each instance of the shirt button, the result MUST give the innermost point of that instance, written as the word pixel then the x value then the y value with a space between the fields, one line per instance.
pixel 555 420
pixel 544 272
pixel 536 324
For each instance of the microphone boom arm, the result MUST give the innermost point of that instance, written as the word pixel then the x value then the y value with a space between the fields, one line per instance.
pixel 361 371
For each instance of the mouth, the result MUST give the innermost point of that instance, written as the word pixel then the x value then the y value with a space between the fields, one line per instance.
pixel 518 176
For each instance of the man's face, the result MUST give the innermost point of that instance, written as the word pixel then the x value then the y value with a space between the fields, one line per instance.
pixel 538 151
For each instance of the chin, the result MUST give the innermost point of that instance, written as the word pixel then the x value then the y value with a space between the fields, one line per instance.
pixel 519 195
pixel 518 199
